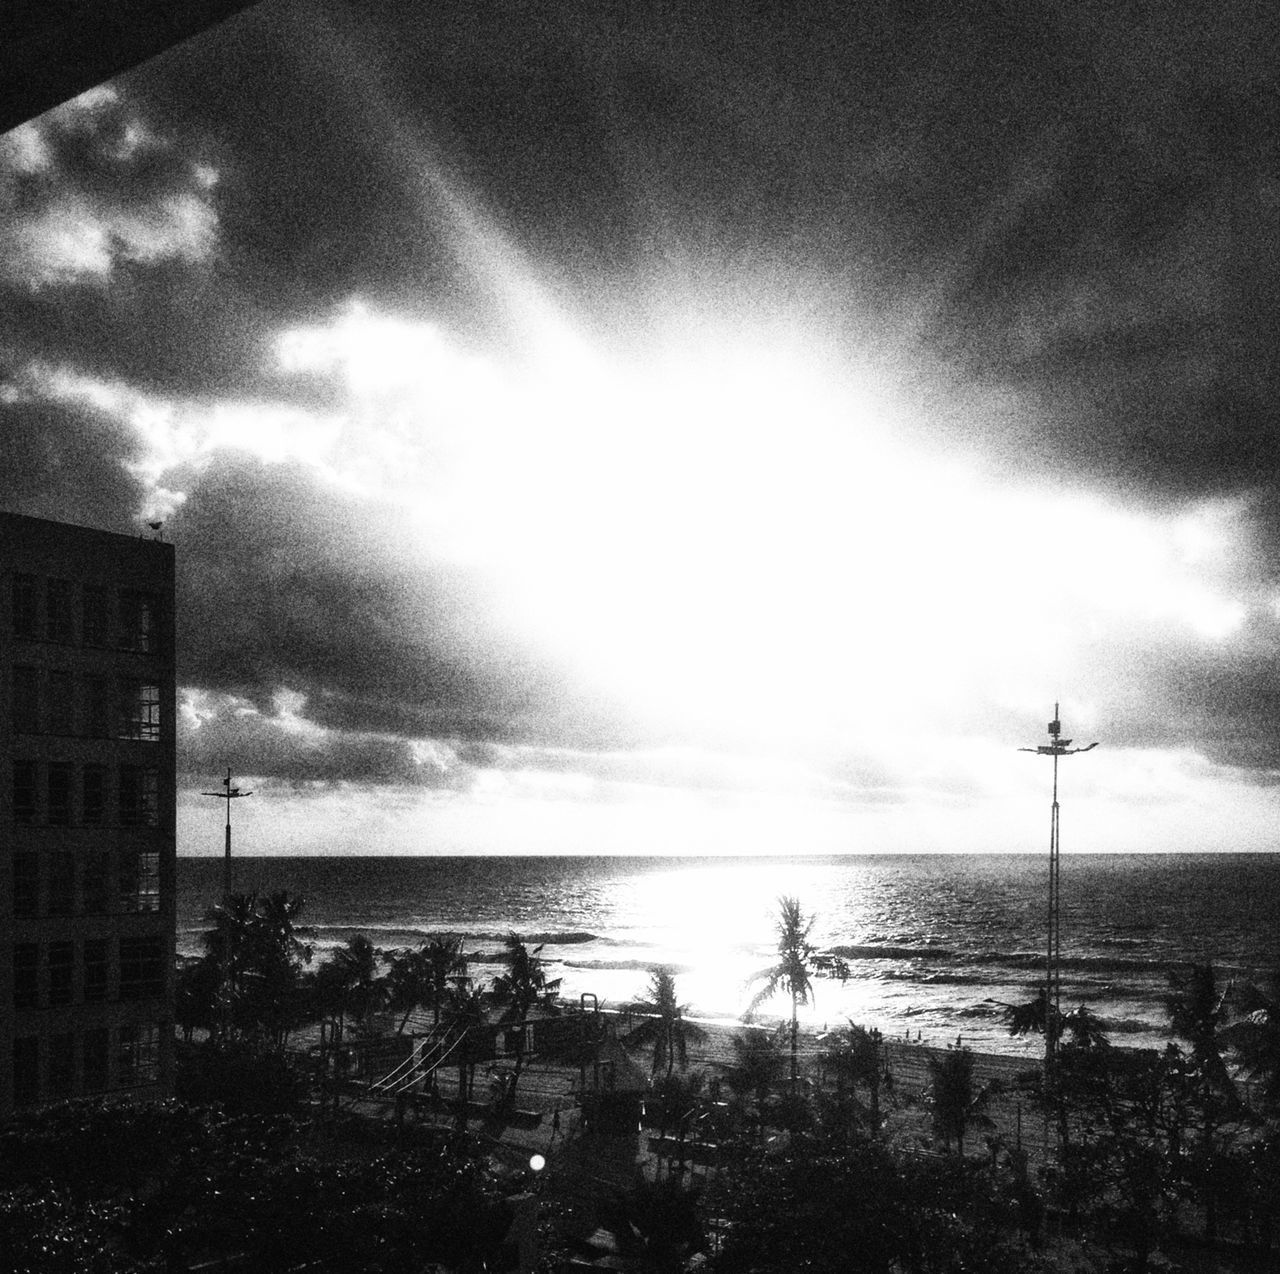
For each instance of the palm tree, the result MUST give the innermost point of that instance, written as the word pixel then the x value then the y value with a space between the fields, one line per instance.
pixel 446 967
pixel 1255 1036
pixel 279 954
pixel 798 962
pixel 756 1066
pixel 464 1013
pixel 1197 1009
pixel 519 990
pixel 854 1056
pixel 231 942
pixel 356 972
pixel 954 1099
pixel 408 982
pixel 278 914
pixel 665 1029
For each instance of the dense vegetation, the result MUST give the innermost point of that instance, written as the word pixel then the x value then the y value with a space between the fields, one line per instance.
pixel 802 1163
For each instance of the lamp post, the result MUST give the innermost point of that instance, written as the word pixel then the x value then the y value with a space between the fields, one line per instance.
pixel 229 794
pixel 1056 747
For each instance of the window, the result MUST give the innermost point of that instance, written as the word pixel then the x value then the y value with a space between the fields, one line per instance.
pixel 62 963
pixel 24 606
pixel 97 702
pixel 97 616
pixel 139 796
pixel 141 967
pixel 26 1070
pixel 57 610
pixel 58 812
pixel 139 880
pixel 26 883
pixel 24 792
pixel 62 883
pixel 139 711
pixel 96 968
pixel 61 1077
pixel 96 1044
pixel 93 793
pixel 60 704
pixel 97 881
pixel 26 700
pixel 139 1056
pixel 138 620
pixel 26 975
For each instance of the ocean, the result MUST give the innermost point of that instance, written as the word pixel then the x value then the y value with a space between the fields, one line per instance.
pixel 936 943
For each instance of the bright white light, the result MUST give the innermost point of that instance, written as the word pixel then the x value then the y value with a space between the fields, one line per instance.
pixel 729 532
pixel 537 1163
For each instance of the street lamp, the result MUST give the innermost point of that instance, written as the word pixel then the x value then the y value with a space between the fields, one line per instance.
pixel 1056 747
pixel 229 794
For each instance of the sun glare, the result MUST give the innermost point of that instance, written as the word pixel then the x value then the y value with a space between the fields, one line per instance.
pixel 733 533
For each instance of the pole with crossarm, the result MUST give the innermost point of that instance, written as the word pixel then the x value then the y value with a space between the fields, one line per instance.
pixel 1056 747
pixel 229 794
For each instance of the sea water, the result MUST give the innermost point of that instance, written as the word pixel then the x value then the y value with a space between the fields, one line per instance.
pixel 936 943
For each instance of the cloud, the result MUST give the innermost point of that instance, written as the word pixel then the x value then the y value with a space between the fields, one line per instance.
pixel 285 581
pixel 68 461
pixel 278 743
pixel 89 188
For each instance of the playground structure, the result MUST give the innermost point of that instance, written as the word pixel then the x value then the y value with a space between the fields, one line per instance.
pixel 432 1071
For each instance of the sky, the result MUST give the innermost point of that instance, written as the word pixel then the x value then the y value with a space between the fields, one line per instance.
pixel 680 428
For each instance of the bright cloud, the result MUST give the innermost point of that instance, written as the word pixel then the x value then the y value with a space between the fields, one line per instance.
pixel 89 187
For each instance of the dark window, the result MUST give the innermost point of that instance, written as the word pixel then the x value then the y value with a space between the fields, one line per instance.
pixel 26 883
pixel 139 1058
pixel 141 967
pixel 26 975
pixel 24 606
pixel 139 796
pixel 24 792
pixel 26 700
pixel 97 703
pixel 139 711
pixel 26 1070
pixel 97 1051
pixel 93 789
pixel 60 704
pixel 96 966
pixel 57 610
pixel 62 883
pixel 97 881
pixel 61 1074
pixel 138 621
pixel 97 616
pixel 62 963
pixel 139 880
pixel 58 813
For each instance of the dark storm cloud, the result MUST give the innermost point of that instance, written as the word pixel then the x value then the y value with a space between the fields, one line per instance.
pixel 284 582
pixel 272 746
pixel 67 462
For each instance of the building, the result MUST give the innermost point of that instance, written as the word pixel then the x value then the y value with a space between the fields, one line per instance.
pixel 87 819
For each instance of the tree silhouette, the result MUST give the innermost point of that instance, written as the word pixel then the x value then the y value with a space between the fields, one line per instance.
pixel 799 961
pixel 446 967
pixel 757 1065
pixel 1255 1037
pixel 955 1101
pixel 665 1029
pixel 853 1055
pixel 523 987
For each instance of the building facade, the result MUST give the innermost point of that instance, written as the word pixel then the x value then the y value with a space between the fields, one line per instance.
pixel 87 817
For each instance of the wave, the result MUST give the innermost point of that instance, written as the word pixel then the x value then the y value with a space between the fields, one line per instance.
pixel 884 952
pixel 628 966
pixel 333 934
